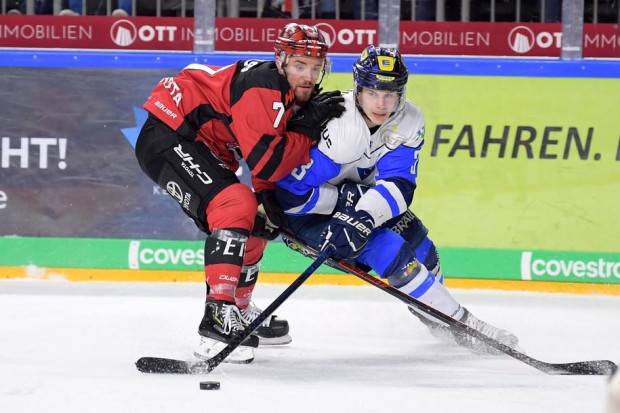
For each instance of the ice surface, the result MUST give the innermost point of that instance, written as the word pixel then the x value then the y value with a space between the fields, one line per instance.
pixel 71 347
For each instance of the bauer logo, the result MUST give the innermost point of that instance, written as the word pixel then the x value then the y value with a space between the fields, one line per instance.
pixel 166 255
pixel 572 267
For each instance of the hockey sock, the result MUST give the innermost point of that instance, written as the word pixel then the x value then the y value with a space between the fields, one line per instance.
pixel 422 285
pixel 247 281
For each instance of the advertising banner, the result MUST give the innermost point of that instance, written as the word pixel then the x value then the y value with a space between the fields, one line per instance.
pixel 503 39
pixel 520 162
pixel 67 169
pixel 33 255
pixel 519 178
pixel 344 36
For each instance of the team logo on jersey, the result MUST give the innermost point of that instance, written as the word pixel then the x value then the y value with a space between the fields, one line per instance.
pixel 392 139
pixel 419 137
pixel 365 172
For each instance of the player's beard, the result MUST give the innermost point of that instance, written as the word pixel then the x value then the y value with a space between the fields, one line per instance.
pixel 303 94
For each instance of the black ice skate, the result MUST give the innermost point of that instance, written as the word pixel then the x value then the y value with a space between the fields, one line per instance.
pixel 221 324
pixel 272 332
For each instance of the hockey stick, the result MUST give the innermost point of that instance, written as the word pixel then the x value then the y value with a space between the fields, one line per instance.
pixel 594 367
pixel 172 366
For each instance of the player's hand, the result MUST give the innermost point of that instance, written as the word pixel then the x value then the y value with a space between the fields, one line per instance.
pixel 314 115
pixel 349 193
pixel 348 231
pixel 270 216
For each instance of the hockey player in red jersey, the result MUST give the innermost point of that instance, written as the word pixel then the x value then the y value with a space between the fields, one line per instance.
pixel 200 124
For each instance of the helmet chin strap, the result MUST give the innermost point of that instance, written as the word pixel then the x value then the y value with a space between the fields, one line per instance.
pixel 281 62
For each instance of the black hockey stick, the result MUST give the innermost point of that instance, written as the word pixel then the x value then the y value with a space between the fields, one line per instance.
pixel 594 367
pixel 172 366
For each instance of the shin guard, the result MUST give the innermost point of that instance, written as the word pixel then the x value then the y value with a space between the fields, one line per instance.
pixel 224 252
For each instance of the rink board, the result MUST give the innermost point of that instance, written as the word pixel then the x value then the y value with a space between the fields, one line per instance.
pixel 519 179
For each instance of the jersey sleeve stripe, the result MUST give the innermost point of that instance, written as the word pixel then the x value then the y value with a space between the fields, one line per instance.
pixel 200 115
pixel 389 198
pixel 273 162
pixel 259 150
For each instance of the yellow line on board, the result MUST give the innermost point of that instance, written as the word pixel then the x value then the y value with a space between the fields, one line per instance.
pixel 83 274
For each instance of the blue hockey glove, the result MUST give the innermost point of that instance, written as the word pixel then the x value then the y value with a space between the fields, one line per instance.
pixel 349 193
pixel 348 231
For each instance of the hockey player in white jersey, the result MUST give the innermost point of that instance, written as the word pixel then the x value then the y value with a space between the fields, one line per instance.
pixel 356 191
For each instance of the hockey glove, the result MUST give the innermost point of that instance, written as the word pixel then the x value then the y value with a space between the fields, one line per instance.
pixel 270 216
pixel 348 231
pixel 314 115
pixel 349 193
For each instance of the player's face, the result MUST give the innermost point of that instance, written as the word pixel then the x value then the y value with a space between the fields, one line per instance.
pixel 302 73
pixel 377 105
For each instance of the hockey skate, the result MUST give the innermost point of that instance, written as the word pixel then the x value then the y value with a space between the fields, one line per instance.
pixel 437 329
pixel 272 332
pixel 465 340
pixel 221 324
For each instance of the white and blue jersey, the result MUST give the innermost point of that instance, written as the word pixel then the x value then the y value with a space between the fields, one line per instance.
pixel 385 158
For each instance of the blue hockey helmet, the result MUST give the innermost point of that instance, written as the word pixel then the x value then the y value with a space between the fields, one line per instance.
pixel 380 68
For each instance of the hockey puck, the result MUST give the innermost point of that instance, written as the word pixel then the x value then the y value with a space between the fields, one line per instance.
pixel 209 385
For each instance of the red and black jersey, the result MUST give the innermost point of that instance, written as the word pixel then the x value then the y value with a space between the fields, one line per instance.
pixel 242 107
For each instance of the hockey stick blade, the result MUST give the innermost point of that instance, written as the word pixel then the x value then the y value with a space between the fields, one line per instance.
pixel 593 367
pixel 579 368
pixel 172 366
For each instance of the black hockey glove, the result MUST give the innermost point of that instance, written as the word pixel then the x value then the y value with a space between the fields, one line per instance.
pixel 270 216
pixel 316 91
pixel 312 118
pixel 348 231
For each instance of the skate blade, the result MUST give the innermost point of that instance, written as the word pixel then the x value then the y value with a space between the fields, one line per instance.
pixel 209 348
pixel 274 341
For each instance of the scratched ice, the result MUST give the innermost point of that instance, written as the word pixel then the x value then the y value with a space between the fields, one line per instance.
pixel 71 347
